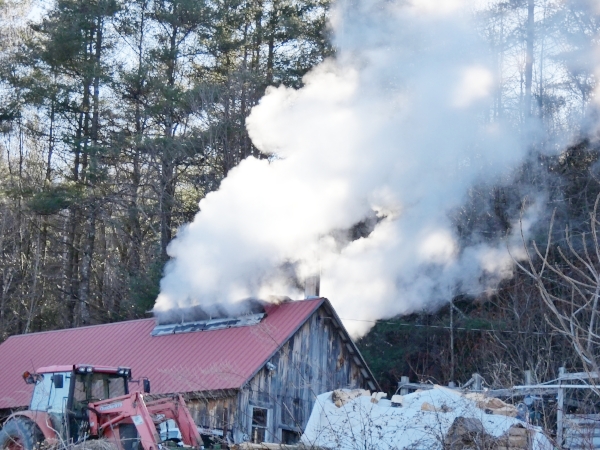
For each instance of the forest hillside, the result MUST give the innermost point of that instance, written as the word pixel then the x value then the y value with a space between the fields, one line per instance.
pixel 118 117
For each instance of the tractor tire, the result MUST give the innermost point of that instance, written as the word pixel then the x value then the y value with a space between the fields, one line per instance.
pixel 20 434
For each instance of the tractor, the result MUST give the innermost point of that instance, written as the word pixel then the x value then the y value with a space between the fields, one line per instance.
pixel 71 404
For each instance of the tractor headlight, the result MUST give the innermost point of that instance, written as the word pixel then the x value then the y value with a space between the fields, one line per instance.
pixel 88 369
pixel 124 371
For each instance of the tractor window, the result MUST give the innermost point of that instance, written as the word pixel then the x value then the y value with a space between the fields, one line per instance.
pixel 59 393
pixel 41 393
pixel 98 386
pixel 47 397
pixel 116 386
pixel 79 394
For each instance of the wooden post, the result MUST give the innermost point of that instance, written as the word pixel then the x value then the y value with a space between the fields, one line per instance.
pixel 477 382
pixel 559 412
pixel 452 339
pixel 225 425
pixel 528 378
pixel 404 390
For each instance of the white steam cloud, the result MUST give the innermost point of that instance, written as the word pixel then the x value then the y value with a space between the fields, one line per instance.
pixel 390 131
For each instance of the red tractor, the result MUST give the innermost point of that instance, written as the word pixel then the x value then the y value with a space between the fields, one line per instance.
pixel 71 404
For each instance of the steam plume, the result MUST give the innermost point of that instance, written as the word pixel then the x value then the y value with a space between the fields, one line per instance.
pixel 389 134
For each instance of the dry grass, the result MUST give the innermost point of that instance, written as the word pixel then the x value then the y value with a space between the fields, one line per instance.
pixel 91 444
pixel 94 444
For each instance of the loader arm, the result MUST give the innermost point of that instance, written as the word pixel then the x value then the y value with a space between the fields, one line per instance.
pixel 105 417
pixel 174 408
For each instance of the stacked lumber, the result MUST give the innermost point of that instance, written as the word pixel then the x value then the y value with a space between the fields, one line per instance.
pixel 517 438
pixel 492 405
pixel 469 433
pixel 340 397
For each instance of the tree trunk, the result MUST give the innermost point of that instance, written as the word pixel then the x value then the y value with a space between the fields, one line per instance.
pixel 71 265
pixel 167 184
pixel 166 203
pixel 529 57
pixel 34 282
pixel 86 267
pixel 50 145
pixel 133 212
pixel 273 20
pixel 90 235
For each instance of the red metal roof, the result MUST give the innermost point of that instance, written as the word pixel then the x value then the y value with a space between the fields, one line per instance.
pixel 199 361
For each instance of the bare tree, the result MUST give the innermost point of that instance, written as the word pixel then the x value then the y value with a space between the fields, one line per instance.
pixel 568 279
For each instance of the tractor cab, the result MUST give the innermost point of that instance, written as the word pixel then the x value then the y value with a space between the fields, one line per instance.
pixel 71 404
pixel 64 392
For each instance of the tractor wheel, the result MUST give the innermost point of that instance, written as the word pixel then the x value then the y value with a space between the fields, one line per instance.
pixel 20 434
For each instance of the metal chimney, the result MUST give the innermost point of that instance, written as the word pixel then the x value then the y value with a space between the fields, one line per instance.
pixel 312 286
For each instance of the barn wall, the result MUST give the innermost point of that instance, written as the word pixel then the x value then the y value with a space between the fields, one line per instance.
pixel 213 413
pixel 318 358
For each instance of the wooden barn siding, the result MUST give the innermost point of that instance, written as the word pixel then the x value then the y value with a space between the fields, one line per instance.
pixel 313 361
pixel 216 413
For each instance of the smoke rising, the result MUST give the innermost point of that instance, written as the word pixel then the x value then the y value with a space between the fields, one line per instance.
pixel 391 134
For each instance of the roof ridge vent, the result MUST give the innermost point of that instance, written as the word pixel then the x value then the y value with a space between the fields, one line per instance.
pixel 208 325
